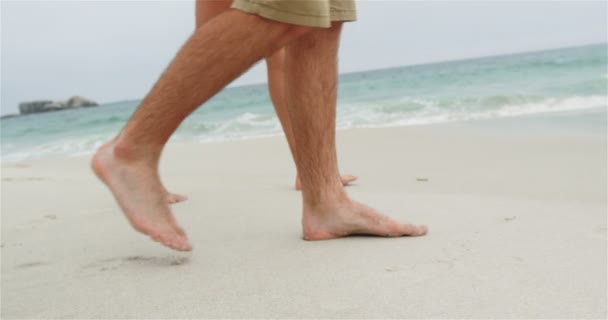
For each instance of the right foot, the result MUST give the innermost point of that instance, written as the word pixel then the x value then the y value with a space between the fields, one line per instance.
pixel 346 180
pixel 352 218
pixel 137 189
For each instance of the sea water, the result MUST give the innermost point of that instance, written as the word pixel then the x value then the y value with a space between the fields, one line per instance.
pixel 563 80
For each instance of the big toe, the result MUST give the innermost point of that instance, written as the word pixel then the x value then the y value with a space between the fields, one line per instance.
pixel 177 242
pixel 173 239
pixel 181 245
pixel 413 230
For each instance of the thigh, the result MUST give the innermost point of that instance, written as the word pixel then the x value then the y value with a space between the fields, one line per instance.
pixel 208 9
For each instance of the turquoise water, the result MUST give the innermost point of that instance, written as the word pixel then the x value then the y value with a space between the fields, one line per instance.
pixel 571 79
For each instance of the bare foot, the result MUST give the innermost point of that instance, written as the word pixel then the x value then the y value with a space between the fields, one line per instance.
pixel 346 180
pixel 350 218
pixel 137 189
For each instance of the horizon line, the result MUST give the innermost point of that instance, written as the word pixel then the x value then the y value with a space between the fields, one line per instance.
pixel 398 66
pixel 425 64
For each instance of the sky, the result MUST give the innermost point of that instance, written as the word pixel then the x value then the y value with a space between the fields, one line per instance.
pixel 115 50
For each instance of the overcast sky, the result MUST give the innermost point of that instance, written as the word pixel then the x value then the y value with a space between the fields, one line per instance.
pixel 115 50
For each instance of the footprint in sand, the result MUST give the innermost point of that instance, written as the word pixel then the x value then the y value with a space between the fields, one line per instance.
pixel 10 179
pixel 115 263
pixel 42 221
pixel 17 165
pixel 32 264
pixel 161 261
pixel 35 179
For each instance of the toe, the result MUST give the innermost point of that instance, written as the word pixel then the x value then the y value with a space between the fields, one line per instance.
pixel 175 198
pixel 176 242
pixel 413 230
pixel 181 244
pixel 180 231
pixel 156 237
pixel 179 198
pixel 185 246
pixel 346 179
pixel 423 230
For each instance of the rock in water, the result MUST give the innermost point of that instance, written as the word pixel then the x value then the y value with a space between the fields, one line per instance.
pixel 57 105
pixel 49 105
pixel 78 101
pixel 33 106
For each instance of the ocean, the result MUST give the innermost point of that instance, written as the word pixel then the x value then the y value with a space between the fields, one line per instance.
pixel 561 80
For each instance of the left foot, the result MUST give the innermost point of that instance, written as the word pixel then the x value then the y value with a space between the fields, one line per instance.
pixel 325 222
pixel 346 180
pixel 137 189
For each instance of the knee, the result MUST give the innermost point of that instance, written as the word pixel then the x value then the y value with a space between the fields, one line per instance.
pixel 289 33
pixel 276 59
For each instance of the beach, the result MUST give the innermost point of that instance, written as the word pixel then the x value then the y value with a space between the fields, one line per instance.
pixel 516 209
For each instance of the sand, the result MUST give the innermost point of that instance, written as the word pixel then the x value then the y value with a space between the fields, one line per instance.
pixel 516 210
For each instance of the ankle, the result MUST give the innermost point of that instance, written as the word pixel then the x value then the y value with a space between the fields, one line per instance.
pixel 327 199
pixel 135 152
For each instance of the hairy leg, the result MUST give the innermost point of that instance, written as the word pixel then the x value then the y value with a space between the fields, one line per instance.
pixel 205 10
pixel 311 83
pixel 209 9
pixel 219 51
pixel 276 86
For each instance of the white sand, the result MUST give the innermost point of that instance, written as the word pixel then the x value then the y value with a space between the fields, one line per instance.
pixel 517 229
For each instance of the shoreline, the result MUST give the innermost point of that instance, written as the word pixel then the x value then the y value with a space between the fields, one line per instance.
pixel 563 122
pixel 420 64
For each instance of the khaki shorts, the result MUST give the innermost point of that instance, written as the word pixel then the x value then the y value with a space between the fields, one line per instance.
pixel 313 13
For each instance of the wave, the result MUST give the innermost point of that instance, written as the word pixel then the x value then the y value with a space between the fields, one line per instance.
pixel 419 111
pixel 74 146
pixel 402 111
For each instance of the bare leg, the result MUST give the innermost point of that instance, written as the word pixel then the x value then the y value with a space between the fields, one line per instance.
pixel 205 11
pixel 209 9
pixel 311 80
pixel 219 51
pixel 276 86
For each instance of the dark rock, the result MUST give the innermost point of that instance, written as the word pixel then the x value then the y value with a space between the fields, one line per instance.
pixel 78 101
pixel 57 105
pixel 33 106
pixel 49 105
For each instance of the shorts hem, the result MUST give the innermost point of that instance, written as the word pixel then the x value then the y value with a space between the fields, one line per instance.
pixel 344 16
pixel 281 16
pixel 275 14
